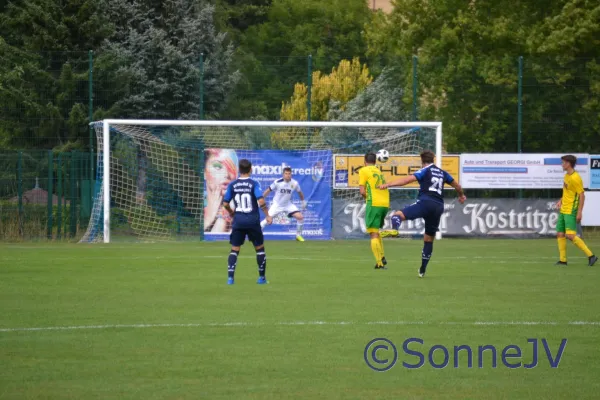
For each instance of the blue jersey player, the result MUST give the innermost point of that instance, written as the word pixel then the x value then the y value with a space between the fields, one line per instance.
pixel 430 202
pixel 247 197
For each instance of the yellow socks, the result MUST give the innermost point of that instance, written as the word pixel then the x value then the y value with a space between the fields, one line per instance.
pixel 377 250
pixel 562 248
pixel 581 245
pixel 381 246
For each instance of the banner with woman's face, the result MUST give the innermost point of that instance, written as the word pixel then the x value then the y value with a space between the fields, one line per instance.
pixel 312 169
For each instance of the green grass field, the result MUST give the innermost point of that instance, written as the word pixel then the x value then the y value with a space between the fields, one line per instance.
pixel 157 321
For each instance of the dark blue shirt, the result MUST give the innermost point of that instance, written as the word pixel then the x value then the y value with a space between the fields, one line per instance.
pixel 431 180
pixel 243 194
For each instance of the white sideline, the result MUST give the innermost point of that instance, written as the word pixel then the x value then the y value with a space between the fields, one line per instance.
pixel 301 323
pixel 194 256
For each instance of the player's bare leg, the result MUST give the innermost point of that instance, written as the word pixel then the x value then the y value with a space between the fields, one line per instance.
pixel 299 225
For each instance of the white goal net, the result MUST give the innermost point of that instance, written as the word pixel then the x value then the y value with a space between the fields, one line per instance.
pixel 165 180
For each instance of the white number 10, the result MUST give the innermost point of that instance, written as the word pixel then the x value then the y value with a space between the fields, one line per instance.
pixel 243 202
pixel 438 185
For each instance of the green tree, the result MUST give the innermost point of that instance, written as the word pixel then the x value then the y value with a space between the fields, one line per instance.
pixel 562 79
pixel 44 48
pixel 468 67
pixel 236 16
pixel 340 86
pixel 274 54
pixel 152 63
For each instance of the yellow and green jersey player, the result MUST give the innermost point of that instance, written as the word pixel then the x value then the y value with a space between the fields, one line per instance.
pixel 571 209
pixel 378 205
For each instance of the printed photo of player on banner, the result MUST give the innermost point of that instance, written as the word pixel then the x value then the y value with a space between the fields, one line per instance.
pixel 310 178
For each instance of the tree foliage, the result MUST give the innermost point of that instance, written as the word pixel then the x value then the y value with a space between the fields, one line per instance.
pixel 344 82
pixel 43 54
pixel 340 86
pixel 468 56
pixel 154 57
pixel 146 64
pixel 274 54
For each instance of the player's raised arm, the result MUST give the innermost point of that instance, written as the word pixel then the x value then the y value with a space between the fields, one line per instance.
pixel 399 182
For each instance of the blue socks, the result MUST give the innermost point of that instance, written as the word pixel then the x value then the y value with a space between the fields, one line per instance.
pixel 427 250
pixel 231 263
pixel 261 260
pixel 396 221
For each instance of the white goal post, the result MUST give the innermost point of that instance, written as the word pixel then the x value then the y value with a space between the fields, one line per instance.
pixel 104 151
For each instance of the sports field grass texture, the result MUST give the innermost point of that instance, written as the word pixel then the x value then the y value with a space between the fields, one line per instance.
pixel 157 321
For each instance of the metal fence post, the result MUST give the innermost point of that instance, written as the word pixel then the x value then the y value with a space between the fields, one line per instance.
pixel 201 111
pixel 20 191
pixel 59 193
pixel 415 85
pixel 309 87
pixel 520 113
pixel 91 107
pixel 49 188
pixel 73 194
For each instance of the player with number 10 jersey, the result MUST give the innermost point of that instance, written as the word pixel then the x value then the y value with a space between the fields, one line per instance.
pixel 246 196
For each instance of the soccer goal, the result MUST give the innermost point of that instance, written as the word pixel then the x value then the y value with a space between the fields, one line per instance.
pixel 165 179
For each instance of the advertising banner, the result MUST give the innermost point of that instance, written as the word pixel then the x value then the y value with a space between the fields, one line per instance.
pixel 475 218
pixel 591 211
pixel 346 167
pixel 517 171
pixel 312 170
pixel 594 172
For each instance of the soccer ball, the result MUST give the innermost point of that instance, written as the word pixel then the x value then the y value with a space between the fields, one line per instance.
pixel 383 155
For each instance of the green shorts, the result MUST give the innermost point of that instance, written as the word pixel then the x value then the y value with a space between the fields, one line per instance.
pixel 566 223
pixel 375 217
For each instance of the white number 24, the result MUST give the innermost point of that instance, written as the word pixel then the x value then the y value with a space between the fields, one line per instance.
pixel 438 185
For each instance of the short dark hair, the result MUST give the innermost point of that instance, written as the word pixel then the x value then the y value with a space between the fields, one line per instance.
pixel 570 159
pixel 287 169
pixel 370 158
pixel 245 166
pixel 427 157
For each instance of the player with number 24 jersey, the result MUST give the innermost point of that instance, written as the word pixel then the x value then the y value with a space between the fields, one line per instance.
pixel 430 202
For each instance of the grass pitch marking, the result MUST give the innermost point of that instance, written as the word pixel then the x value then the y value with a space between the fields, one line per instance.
pixel 299 323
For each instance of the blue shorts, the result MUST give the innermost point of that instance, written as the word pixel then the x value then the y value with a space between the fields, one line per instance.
pixel 430 211
pixel 254 233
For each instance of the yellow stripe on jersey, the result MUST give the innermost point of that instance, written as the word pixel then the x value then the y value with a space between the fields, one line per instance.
pixel 572 189
pixel 370 177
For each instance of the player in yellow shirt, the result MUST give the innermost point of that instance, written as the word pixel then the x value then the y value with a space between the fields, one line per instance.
pixel 378 205
pixel 571 208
